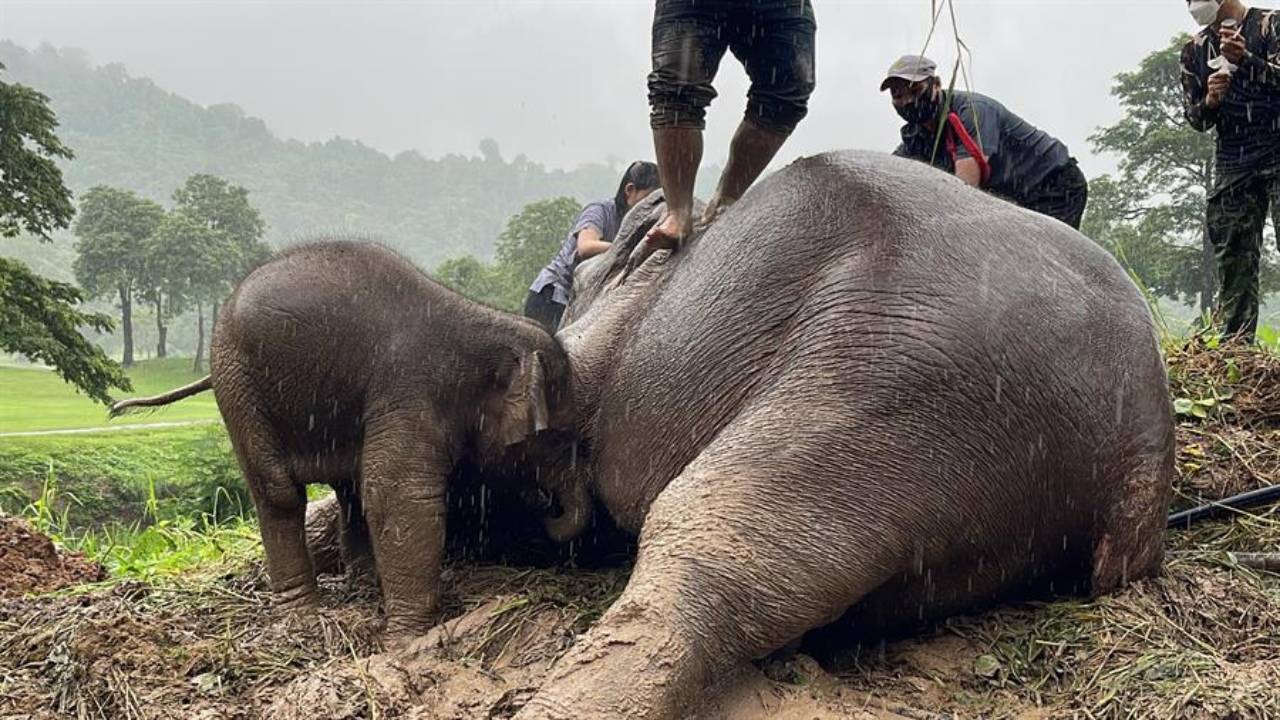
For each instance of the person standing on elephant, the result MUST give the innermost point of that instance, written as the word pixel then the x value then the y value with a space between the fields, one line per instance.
pixel 591 234
pixel 984 143
pixel 1231 82
pixel 774 39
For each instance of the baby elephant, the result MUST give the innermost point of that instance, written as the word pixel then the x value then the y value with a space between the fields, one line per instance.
pixel 341 363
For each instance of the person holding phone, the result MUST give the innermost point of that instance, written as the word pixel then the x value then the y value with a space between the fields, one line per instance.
pixel 1231 82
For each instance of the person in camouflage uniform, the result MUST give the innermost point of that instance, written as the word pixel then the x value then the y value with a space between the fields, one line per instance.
pixel 1231 82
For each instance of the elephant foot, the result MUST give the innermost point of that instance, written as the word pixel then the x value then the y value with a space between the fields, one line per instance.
pixel 299 598
pixel 407 621
pixel 631 664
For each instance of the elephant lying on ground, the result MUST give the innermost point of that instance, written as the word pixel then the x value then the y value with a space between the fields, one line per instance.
pixel 867 390
pixel 341 363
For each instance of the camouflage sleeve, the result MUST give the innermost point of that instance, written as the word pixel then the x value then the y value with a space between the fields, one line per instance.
pixel 1193 91
pixel 1265 69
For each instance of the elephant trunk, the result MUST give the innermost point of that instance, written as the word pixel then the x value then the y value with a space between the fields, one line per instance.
pixel 324 535
pixel 576 508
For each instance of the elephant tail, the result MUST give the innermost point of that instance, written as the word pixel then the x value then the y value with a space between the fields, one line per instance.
pixel 123 407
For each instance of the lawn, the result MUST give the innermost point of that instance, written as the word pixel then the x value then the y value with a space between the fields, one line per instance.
pixel 37 399
pixel 99 479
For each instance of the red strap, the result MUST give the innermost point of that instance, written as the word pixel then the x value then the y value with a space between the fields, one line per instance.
pixel 958 130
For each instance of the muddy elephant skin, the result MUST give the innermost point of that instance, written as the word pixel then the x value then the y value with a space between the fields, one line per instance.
pixel 341 363
pixel 867 391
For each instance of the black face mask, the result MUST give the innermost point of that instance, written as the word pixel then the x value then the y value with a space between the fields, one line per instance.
pixel 920 111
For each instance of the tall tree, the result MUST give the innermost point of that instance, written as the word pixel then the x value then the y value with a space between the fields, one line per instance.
pixel 1166 173
pixel 223 207
pixel 206 263
pixel 114 230
pixel 224 210
pixel 39 318
pixel 165 278
pixel 32 195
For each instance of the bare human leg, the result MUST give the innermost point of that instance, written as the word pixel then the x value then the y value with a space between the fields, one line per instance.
pixel 751 151
pixel 679 152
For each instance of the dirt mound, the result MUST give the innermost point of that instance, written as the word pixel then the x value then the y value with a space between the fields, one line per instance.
pixel 29 561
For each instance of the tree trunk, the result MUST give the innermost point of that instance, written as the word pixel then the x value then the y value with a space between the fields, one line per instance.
pixel 199 336
pixel 1208 273
pixel 161 330
pixel 126 325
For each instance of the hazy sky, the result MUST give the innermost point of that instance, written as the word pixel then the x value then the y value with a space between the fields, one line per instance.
pixel 563 81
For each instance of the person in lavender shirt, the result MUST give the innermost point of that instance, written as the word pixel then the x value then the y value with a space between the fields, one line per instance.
pixel 592 233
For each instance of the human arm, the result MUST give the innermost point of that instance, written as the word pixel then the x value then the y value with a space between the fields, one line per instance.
pixel 1199 107
pixel 591 243
pixel 968 170
pixel 973 148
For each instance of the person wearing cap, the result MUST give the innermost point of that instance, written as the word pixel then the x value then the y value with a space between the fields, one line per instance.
pixel 774 39
pixel 984 143
pixel 1231 82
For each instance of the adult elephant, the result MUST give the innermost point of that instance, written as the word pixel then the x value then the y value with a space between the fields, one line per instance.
pixel 868 390
pixel 341 363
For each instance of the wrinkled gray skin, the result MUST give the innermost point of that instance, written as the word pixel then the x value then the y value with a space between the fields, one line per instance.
pixel 867 390
pixel 341 363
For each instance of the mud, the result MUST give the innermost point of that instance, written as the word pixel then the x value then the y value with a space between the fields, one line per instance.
pixel 29 562
pixel 1199 642
pixel 1195 643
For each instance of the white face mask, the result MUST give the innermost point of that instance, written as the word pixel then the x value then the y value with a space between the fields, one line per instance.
pixel 1204 11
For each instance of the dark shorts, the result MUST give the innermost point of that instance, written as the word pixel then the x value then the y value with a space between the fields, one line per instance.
pixel 1062 195
pixel 774 39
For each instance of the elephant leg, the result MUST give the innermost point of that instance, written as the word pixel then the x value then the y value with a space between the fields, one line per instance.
pixel 282 509
pixel 738 556
pixel 1130 538
pixel 356 550
pixel 402 491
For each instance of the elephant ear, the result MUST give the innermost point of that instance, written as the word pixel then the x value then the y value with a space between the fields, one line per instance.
pixel 524 403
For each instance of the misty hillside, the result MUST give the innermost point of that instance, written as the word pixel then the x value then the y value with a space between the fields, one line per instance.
pixel 130 133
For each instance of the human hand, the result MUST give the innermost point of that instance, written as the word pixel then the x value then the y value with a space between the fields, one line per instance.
pixel 1232 46
pixel 1219 83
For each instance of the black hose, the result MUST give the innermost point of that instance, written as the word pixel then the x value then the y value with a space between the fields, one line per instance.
pixel 1243 501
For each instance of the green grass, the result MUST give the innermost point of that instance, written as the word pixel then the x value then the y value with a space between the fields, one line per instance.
pixel 160 542
pixel 37 399
pixel 104 478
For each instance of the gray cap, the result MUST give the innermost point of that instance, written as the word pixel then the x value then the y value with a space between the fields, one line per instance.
pixel 912 68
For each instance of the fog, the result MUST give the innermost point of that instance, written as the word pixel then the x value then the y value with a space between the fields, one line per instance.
pixel 564 81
